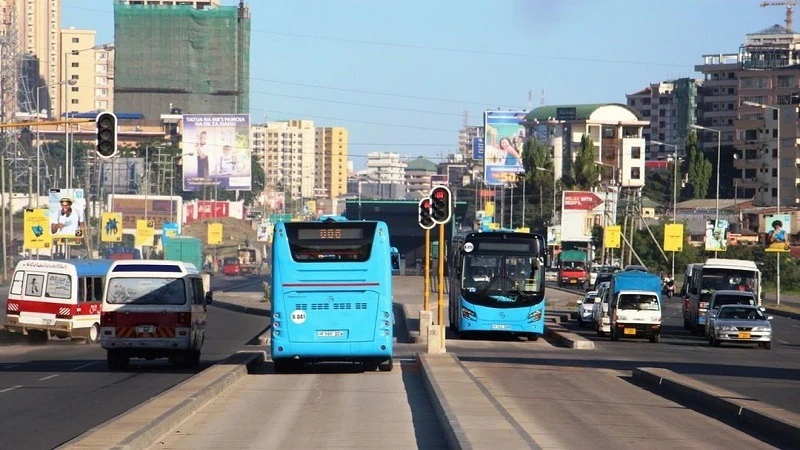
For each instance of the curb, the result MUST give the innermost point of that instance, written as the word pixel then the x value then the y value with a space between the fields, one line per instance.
pixel 565 338
pixel 771 421
pixel 239 308
pixel 779 312
pixel 138 429
pixel 413 334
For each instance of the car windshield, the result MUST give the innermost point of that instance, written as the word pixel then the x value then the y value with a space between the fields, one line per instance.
pixel 589 299
pixel 741 313
pixel 638 302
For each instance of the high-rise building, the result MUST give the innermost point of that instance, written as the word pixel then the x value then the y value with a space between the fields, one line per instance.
pixel 191 56
pixel 386 179
pixel 89 71
pixel 465 139
pixel 331 162
pixel 671 108
pixel 289 162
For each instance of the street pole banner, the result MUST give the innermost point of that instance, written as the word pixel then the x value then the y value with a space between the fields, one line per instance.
pixel 145 231
pixel 67 212
pixel 111 227
pixel 777 228
pixel 715 239
pixel 673 237
pixel 37 229
pixel 214 234
pixel 612 236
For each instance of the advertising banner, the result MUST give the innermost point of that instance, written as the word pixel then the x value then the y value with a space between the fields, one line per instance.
pixel 145 231
pixel 67 212
pixel 715 239
pixel 216 151
pixel 439 180
pixel 673 237
pixel 554 235
pixel 37 233
pixel 488 209
pixel 214 234
pixel 777 228
pixel 264 231
pixel 168 230
pixel 160 209
pixel 111 227
pixel 580 212
pixel 612 236
pixel 503 141
pixel 477 148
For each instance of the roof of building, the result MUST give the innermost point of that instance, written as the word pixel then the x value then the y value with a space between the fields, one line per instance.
pixel 582 112
pixel 420 163
pixel 711 204
pixel 775 29
pixel 649 203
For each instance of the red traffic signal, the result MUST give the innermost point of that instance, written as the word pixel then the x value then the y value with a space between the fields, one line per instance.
pixel 441 204
pixel 425 217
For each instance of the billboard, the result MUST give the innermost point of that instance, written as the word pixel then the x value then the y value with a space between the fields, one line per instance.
pixel 111 227
pixel 36 234
pixel 160 209
pixel 264 231
pixel 715 239
pixel 145 232
pixel 503 141
pixel 553 235
pixel 216 151
pixel 673 237
pixel 612 236
pixel 580 212
pixel 477 148
pixel 214 234
pixel 777 228
pixel 67 212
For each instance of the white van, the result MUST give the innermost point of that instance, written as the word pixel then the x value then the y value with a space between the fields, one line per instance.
pixel 56 299
pixel 153 309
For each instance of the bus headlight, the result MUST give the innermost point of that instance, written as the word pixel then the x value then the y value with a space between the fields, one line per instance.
pixel 535 316
pixel 468 314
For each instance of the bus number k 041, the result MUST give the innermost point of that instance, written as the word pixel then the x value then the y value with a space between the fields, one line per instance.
pixel 298 316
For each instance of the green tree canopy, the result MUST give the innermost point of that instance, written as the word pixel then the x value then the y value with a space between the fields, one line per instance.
pixel 585 174
pixel 700 169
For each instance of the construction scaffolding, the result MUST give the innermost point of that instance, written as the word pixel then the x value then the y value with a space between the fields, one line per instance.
pixel 169 57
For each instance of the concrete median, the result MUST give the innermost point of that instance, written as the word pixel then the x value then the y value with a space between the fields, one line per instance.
pixel 774 422
pixel 143 426
pixel 564 338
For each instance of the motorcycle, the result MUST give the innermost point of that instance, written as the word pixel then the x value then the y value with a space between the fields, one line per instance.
pixel 669 288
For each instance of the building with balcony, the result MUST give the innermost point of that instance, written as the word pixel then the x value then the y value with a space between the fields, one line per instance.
pixel 615 130
pixel 384 177
pixel 89 69
pixel 418 176
pixel 289 162
pixel 671 108
pixel 331 154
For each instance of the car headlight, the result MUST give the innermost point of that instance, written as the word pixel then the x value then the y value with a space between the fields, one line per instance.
pixel 655 319
pixel 761 329
pixel 621 317
pixel 727 328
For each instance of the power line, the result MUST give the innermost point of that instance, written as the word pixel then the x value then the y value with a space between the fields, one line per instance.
pixel 339 102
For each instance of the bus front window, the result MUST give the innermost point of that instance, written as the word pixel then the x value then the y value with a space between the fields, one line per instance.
pixel 502 279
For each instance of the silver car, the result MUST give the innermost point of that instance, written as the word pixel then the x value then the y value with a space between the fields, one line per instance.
pixel 585 307
pixel 741 324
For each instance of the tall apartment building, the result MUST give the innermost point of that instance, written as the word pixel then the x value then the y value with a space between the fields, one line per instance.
pixel 386 179
pixel 89 71
pixel 718 99
pixel 331 154
pixel 289 161
pixel 192 56
pixel 465 139
pixel 671 108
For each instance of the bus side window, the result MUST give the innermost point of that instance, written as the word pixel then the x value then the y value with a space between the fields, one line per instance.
pixel 98 289
pixel 82 291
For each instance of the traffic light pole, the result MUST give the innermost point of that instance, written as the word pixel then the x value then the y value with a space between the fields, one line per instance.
pixel 427 283
pixel 441 284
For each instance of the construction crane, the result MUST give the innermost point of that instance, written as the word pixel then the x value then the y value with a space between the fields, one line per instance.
pixel 789 6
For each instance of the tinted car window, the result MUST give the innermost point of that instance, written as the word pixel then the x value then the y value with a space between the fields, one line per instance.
pixel 720 300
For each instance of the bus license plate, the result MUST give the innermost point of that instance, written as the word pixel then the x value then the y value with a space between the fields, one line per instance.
pixel 142 329
pixel 744 335
pixel 330 333
pixel 630 330
pixel 500 326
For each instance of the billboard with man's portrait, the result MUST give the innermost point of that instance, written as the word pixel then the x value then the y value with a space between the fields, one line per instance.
pixel 67 209
pixel 216 152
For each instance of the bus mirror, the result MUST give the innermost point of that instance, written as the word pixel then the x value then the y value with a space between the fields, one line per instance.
pixel 395 261
pixel 208 298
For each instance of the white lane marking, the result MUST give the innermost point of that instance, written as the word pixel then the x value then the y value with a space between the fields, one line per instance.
pixel 10 389
pixel 48 377
pixel 84 366
pixel 783 342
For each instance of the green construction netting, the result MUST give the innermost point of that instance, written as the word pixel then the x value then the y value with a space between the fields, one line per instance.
pixel 198 59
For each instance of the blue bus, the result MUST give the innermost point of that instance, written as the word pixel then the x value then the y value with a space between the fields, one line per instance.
pixel 496 282
pixel 332 294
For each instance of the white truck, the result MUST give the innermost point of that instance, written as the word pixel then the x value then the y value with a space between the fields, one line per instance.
pixel 634 306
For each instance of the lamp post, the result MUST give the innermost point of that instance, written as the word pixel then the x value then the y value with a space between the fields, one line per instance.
pixel 38 137
pixel 147 176
pixel 719 150
pixel 777 191
pixel 674 190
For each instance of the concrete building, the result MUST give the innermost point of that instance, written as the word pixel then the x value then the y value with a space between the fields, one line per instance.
pixel 38 24
pixel 418 176
pixel 465 139
pixel 289 162
pixel 385 176
pixel 331 152
pixel 671 108
pixel 718 99
pixel 615 129
pixel 89 70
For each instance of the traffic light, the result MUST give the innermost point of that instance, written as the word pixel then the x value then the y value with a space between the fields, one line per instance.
pixel 441 204
pixel 106 135
pixel 425 218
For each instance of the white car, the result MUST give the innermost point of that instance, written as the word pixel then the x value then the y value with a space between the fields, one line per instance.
pixel 585 307
pixel 593 275
pixel 551 274
pixel 600 319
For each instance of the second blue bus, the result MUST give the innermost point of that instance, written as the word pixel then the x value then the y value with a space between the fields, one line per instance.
pixel 496 283
pixel 332 294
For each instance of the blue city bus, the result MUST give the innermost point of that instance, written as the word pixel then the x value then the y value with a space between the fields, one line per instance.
pixel 332 294
pixel 496 282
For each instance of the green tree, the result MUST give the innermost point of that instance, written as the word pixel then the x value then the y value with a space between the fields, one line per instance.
pixel 658 187
pixel 700 169
pixel 539 178
pixel 585 174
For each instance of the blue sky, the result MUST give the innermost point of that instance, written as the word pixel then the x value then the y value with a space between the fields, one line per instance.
pixel 400 75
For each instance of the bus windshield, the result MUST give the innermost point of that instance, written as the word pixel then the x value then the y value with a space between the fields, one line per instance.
pixel 727 280
pixel 502 280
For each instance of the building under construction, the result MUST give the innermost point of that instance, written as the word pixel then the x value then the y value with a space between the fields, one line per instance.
pixel 181 57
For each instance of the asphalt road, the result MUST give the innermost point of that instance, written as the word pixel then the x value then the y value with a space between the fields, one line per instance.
pixel 55 392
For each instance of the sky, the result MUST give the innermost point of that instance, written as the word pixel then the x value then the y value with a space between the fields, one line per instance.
pixel 400 76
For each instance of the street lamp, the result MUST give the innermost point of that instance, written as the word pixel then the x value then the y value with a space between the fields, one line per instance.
pixel 777 190
pixel 38 137
pixel 719 151
pixel 674 190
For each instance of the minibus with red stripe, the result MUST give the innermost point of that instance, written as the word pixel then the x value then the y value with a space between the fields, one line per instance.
pixel 332 294
pixel 60 299
pixel 153 309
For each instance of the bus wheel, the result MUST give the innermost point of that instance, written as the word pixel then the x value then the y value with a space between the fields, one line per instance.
pixel 370 366
pixel 94 334
pixel 532 337
pixel 386 366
